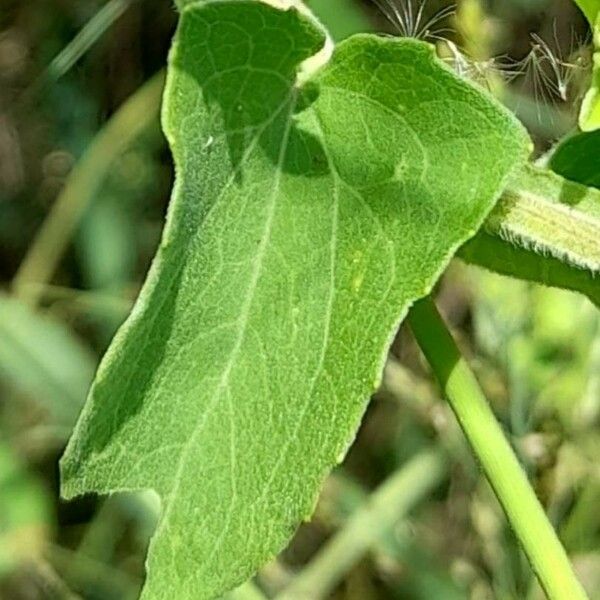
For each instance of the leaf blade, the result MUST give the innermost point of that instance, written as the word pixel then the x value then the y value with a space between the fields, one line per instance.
pixel 578 158
pixel 280 270
pixel 589 114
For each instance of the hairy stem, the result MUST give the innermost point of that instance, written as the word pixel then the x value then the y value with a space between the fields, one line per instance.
pixel 86 38
pixel 544 229
pixel 500 465
pixel 550 216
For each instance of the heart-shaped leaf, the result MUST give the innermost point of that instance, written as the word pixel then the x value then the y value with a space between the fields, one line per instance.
pixel 304 222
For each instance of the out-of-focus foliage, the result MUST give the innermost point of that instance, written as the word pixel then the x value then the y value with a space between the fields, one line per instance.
pixel 25 518
pixel 42 359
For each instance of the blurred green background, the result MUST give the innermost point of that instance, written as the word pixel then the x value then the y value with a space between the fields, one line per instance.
pixel 85 176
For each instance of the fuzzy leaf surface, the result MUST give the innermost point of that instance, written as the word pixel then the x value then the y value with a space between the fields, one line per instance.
pixel 304 222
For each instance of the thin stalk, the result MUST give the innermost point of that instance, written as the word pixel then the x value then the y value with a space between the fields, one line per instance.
pixel 86 38
pixel 500 465
pixel 124 127
pixel 81 301
pixel 50 581
pixel 385 507
pixel 420 571
pixel 526 219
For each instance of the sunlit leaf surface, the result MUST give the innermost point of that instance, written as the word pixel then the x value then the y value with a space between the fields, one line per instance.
pixel 304 222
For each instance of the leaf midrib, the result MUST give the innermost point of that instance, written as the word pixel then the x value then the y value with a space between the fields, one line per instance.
pixel 244 320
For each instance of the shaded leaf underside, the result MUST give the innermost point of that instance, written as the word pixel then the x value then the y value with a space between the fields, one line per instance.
pixel 304 222
pixel 578 158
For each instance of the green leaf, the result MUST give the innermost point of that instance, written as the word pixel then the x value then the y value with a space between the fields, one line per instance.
pixel 41 358
pixel 578 158
pixel 589 116
pixel 590 9
pixel 304 222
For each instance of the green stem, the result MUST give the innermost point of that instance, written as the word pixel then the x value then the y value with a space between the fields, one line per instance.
pixel 385 507
pixel 550 216
pixel 544 229
pixel 86 38
pixel 506 476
